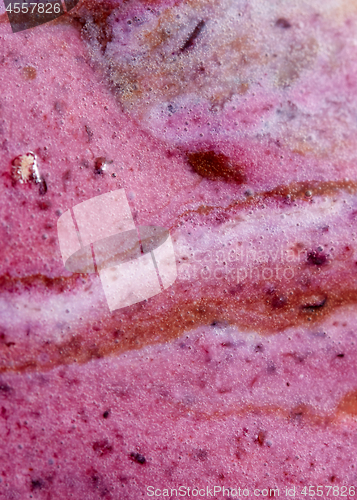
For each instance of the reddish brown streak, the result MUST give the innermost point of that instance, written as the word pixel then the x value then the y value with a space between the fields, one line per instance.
pixel 294 191
pixel 252 306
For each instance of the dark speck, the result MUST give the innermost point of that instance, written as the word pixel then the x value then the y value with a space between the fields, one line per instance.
pixel 283 23
pixel 191 39
pixel 259 348
pixel 106 414
pixel 316 258
pixel 201 454
pixel 60 107
pixel 271 367
pixel 139 459
pixel 340 355
pixel 37 484
pixel 297 415
pixel 42 187
pixel 94 479
pixel 315 306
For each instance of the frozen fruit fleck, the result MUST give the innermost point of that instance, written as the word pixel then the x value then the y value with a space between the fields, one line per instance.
pixel 24 168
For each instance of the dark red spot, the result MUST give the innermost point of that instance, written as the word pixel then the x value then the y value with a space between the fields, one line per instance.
pixel 99 165
pixel 102 447
pixel 278 302
pixel 117 334
pixel 261 438
pixel 215 166
pixel 44 205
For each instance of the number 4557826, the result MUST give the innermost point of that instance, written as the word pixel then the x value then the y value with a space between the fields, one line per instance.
pixel 42 8
pixel 335 491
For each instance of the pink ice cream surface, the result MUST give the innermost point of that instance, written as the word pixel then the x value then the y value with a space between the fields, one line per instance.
pixel 232 124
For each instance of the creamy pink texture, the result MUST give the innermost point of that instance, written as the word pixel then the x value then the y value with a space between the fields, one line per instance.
pixel 234 377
